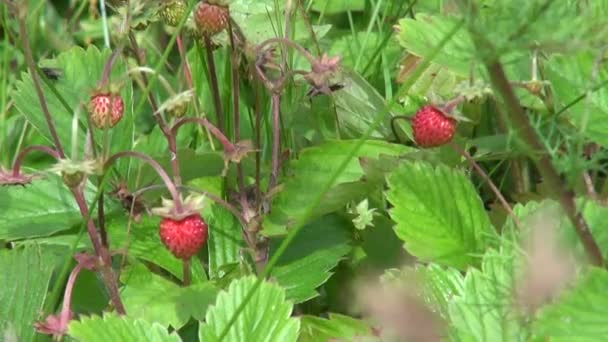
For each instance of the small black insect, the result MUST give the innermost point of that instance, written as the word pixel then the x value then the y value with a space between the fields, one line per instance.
pixel 52 74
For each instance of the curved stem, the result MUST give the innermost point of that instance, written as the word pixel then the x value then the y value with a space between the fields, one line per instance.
pixel 228 146
pixel 488 180
pixel 312 59
pixel 107 69
pixel 21 157
pixel 64 317
pixel 157 167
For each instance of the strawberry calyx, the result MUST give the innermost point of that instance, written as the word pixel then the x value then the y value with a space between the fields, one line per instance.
pixel 192 204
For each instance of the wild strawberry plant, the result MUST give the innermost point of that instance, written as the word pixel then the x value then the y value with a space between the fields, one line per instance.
pixel 242 170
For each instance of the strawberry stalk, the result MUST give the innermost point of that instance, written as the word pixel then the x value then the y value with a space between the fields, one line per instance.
pixel 21 156
pixel 228 146
pixel 215 90
pixel 170 185
pixel 487 178
pixel 29 59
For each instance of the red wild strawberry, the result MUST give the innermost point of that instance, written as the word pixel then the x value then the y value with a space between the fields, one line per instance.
pixel 432 127
pixel 185 237
pixel 106 109
pixel 211 17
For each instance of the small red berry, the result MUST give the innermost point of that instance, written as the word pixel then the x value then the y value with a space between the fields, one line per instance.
pixel 106 109
pixel 211 17
pixel 185 237
pixel 432 127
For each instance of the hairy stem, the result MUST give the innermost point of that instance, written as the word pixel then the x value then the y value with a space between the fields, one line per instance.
pixel 23 154
pixel 311 59
pixel 228 146
pixel 157 167
pixel 488 180
pixel 236 93
pixel 215 89
pixel 31 64
pixel 276 140
pixel 518 117
pixel 107 273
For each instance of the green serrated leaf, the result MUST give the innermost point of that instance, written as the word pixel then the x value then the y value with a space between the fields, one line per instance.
pixel 25 278
pixel 581 314
pixel 570 77
pixel 485 311
pixel 156 299
pixel 23 216
pixel 437 285
pixel 358 105
pixel 225 240
pixel 308 262
pixel 310 175
pixel 266 317
pixel 337 327
pixel 119 328
pixel 420 35
pixel 439 214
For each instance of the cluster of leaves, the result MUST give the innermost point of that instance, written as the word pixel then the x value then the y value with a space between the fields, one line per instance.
pixel 351 200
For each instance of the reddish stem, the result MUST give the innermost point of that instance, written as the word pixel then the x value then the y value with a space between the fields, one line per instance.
pixel 21 157
pixel 228 146
pixel 184 57
pixel 157 167
pixel 106 268
pixel 276 141
pixel 29 58
pixel 107 69
pixel 488 180
pixel 215 89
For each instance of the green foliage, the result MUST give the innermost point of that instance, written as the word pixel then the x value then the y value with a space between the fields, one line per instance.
pixel 439 215
pixel 315 251
pixel 265 318
pixel 309 176
pixel 578 315
pixel 23 215
pixel 25 278
pixel 336 327
pixel 156 299
pixel 425 220
pixel 485 310
pixel 111 327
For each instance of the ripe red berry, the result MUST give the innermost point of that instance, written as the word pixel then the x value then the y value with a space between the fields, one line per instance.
pixel 185 237
pixel 211 17
pixel 106 109
pixel 432 127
